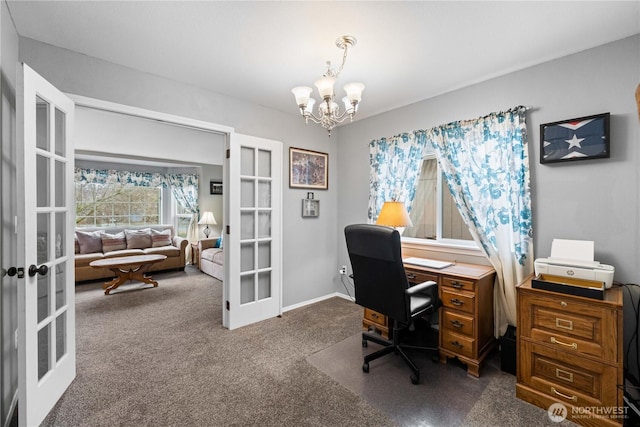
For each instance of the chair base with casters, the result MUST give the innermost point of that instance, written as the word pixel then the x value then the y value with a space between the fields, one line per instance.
pixel 394 346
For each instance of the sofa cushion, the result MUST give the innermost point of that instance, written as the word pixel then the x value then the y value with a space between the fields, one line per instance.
pixel 214 255
pixel 83 260
pixel 169 251
pixel 124 252
pixel 113 242
pixel 89 241
pixel 138 239
pixel 76 244
pixel 160 238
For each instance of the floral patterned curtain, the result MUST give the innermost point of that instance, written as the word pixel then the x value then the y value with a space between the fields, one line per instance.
pixel 486 165
pixel 395 166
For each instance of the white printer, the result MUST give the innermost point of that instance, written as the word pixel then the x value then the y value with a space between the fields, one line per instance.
pixel 574 258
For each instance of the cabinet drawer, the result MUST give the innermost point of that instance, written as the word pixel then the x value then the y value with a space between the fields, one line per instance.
pixel 457 322
pixel 415 277
pixel 570 325
pixel 566 378
pixel 460 344
pixel 375 317
pixel 459 284
pixel 462 301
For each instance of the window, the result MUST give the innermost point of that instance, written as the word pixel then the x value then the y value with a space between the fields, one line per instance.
pixel 434 213
pixel 117 205
pixel 182 218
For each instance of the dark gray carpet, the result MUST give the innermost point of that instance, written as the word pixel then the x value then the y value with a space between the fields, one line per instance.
pixel 160 357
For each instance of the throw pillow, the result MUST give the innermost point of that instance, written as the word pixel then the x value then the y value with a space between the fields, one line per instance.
pixel 76 244
pixel 89 241
pixel 113 242
pixel 219 242
pixel 160 238
pixel 138 239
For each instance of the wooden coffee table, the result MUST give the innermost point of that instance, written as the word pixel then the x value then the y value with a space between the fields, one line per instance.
pixel 128 268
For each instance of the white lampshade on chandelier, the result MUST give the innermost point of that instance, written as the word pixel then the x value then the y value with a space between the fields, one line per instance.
pixel 328 113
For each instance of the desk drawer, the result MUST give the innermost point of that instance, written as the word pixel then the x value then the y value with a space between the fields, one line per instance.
pixel 459 284
pixel 375 317
pixel 457 343
pixel 457 322
pixel 462 301
pixel 415 277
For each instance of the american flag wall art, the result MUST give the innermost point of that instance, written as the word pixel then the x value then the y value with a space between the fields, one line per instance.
pixel 575 139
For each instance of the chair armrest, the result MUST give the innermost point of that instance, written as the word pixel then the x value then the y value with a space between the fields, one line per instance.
pixel 207 243
pixel 180 242
pixel 422 287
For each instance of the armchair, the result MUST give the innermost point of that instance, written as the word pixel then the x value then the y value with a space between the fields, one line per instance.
pixel 381 284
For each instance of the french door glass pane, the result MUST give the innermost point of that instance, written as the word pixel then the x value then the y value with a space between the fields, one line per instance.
pixel 247 289
pixel 43 297
pixel 60 133
pixel 264 284
pixel 264 224
pixel 247 161
pixel 61 338
pixel 264 194
pixel 42 181
pixel 247 193
pixel 61 280
pixel 264 163
pixel 44 338
pixel 60 184
pixel 247 262
pixel 42 124
pixel 43 236
pixel 264 254
pixel 247 225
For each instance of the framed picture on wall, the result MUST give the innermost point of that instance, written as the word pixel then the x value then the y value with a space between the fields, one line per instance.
pixel 308 169
pixel 310 208
pixel 215 187
pixel 582 138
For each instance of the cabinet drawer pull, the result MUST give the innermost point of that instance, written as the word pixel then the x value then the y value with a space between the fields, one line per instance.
pixel 572 345
pixel 564 375
pixel 456 301
pixel 457 285
pixel 457 324
pixel 564 324
pixel 571 398
pixel 456 344
pixel 411 276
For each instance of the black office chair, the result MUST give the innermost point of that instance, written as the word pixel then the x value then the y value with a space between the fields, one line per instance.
pixel 381 284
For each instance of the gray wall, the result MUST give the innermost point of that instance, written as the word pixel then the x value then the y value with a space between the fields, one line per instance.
pixel 309 244
pixel 8 249
pixel 595 200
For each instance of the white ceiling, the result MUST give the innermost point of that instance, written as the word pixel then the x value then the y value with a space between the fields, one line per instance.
pixel 258 51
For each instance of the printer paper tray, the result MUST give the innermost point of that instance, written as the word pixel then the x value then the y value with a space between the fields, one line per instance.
pixel 568 285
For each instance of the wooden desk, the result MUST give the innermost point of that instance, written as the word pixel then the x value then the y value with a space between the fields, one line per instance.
pixel 128 268
pixel 466 314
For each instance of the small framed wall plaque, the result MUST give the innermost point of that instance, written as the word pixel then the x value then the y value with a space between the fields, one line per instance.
pixel 310 208
pixel 215 187
pixel 582 138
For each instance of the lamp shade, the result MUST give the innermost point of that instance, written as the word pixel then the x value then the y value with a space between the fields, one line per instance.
pixel 354 91
pixel 325 86
pixel 302 94
pixel 394 214
pixel 207 218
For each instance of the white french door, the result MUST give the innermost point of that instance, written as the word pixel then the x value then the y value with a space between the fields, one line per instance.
pixel 46 298
pixel 253 243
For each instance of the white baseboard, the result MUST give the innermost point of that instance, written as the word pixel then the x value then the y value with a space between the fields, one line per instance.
pixel 315 300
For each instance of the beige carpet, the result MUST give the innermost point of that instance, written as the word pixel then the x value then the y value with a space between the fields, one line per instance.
pixel 160 357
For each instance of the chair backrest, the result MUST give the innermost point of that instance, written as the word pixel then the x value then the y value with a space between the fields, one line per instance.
pixel 379 277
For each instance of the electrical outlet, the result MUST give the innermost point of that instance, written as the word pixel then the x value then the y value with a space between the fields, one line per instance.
pixel 343 270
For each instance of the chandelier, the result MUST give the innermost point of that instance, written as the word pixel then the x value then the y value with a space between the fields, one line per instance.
pixel 328 113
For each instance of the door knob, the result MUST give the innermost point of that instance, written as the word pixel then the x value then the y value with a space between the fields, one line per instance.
pixel 42 270
pixel 12 271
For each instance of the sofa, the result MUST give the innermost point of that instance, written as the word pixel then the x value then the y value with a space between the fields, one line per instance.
pixel 211 257
pixel 93 243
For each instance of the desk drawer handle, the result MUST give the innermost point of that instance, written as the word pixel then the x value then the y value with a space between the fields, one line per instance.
pixel 456 301
pixel 375 316
pixel 564 324
pixel 564 375
pixel 456 344
pixel 457 324
pixel 411 276
pixel 571 398
pixel 457 285
pixel 572 345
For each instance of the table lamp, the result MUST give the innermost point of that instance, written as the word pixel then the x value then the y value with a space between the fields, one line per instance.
pixel 394 214
pixel 207 219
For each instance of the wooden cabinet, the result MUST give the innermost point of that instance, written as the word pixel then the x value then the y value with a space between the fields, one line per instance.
pixel 570 351
pixel 466 314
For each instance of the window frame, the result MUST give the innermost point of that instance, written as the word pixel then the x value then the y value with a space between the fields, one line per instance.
pixel 177 216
